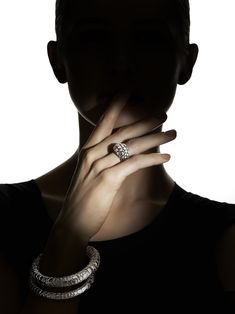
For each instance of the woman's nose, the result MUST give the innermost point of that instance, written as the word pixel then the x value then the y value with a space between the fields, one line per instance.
pixel 122 72
pixel 121 62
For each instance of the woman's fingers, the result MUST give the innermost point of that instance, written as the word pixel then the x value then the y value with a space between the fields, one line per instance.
pixel 105 126
pixel 91 156
pixel 135 146
pixel 127 133
pixel 138 128
pixel 142 144
pixel 123 169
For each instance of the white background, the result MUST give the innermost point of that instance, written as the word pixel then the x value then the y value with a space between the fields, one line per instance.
pixel 39 123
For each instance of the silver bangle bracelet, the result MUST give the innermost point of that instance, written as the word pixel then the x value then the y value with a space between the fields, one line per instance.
pixel 70 280
pixel 62 295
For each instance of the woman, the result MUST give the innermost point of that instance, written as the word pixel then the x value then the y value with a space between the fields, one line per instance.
pixel 149 244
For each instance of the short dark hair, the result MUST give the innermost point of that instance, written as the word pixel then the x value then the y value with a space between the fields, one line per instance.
pixel 184 13
pixel 62 10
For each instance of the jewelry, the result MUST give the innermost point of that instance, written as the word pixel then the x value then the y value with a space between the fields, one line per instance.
pixel 121 150
pixel 62 295
pixel 71 280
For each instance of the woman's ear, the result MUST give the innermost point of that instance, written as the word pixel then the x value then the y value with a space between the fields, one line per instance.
pixel 56 62
pixel 189 60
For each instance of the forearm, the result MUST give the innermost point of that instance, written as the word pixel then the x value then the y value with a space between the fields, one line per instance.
pixel 64 254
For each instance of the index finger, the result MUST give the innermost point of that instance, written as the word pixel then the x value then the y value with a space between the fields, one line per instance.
pixel 106 124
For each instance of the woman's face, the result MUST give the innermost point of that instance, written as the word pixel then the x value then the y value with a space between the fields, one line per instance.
pixel 128 44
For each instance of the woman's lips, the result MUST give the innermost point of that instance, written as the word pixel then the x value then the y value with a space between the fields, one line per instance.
pixel 133 99
pixel 134 110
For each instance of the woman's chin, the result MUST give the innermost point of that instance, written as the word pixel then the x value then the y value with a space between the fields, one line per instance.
pixel 130 115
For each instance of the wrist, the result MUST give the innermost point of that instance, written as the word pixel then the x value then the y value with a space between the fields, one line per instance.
pixel 63 227
pixel 64 254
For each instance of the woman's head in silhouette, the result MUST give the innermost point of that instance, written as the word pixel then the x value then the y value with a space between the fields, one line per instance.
pixel 103 46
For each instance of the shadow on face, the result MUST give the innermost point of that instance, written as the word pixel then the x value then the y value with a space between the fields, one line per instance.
pixel 112 45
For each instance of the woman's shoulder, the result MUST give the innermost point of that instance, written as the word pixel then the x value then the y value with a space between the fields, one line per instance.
pixel 21 199
pixel 194 200
pixel 7 190
pixel 22 202
pixel 17 195
pixel 201 212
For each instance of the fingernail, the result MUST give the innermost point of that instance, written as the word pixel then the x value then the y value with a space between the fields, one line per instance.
pixel 171 132
pixel 162 117
pixel 166 156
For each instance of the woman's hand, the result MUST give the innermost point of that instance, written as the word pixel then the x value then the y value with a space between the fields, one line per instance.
pixel 99 174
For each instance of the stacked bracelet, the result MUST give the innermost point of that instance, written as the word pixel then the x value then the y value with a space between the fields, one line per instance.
pixel 71 280
pixel 65 281
pixel 62 295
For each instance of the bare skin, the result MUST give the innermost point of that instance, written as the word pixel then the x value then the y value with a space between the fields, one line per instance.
pixel 96 70
pixel 128 217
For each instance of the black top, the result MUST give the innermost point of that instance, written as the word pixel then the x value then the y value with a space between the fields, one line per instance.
pixel 166 267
